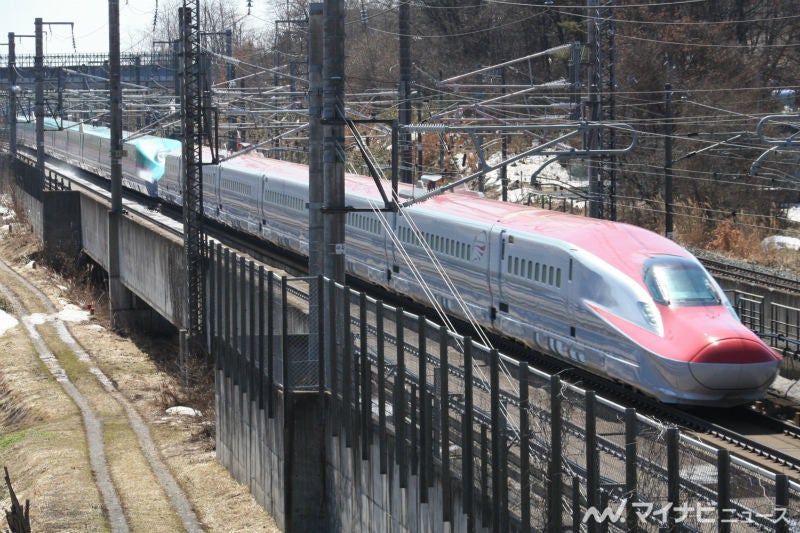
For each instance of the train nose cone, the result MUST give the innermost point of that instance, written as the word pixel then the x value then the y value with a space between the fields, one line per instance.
pixel 735 364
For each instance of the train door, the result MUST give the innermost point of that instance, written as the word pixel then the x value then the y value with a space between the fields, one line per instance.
pixel 262 204
pixel 390 252
pixel 498 241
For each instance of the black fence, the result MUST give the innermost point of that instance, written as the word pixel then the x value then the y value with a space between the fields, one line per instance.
pixel 776 323
pixel 493 442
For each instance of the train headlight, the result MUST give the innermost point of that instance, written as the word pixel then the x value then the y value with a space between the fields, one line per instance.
pixel 651 316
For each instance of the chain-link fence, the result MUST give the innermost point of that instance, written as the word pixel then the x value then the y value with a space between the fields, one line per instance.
pixel 512 448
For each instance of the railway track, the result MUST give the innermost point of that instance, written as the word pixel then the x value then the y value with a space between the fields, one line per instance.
pixel 747 273
pixel 710 423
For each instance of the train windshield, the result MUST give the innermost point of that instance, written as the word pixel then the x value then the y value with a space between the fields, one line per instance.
pixel 679 282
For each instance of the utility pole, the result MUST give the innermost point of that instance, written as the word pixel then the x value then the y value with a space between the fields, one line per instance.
pixel 12 97
pixel 504 147
pixel 230 69
pixel 38 109
pixel 119 296
pixel 592 141
pixel 404 118
pixel 316 227
pixel 333 139
pixel 192 113
pixel 668 230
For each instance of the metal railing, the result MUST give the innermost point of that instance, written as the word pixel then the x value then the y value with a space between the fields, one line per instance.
pixel 517 447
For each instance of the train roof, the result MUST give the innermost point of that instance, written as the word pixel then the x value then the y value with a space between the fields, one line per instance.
pixel 624 245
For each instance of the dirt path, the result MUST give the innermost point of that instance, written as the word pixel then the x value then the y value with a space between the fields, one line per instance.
pixel 83 429
pixel 94 432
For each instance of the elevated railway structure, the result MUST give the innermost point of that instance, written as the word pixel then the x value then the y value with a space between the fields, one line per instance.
pixel 471 435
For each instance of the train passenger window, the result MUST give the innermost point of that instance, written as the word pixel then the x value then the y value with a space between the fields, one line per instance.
pixel 516 266
pixel 509 265
pixel 536 273
pixel 550 281
pixel 530 269
pixel 558 277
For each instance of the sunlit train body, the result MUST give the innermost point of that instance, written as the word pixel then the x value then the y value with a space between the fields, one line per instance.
pixel 614 299
pixel 89 147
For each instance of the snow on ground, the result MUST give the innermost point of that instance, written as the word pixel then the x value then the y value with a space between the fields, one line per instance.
pixel 6 213
pixel 6 322
pixel 70 313
pixel 519 175
pixel 793 213
pixel 780 242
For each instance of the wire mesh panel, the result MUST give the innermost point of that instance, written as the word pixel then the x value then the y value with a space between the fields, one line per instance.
pixel 699 477
pixel 526 451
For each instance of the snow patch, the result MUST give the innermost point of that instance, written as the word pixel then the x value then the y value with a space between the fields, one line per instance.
pixel 73 313
pixel 182 410
pixel 70 313
pixel 780 242
pixel 6 213
pixel 6 322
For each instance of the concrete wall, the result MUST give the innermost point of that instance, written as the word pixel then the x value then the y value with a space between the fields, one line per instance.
pixel 151 261
pixel 362 499
pixel 61 226
pixel 33 211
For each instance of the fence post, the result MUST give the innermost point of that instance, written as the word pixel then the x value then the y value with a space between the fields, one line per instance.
pixel 724 514
pixel 366 380
pixel 347 377
pixel 381 386
pixel 400 400
pixel 251 360
pixel 213 300
pixel 592 459
pixel 233 348
pixel 631 450
pixel 271 345
pixel 673 474
pixel 781 503
pixel 524 450
pixel 241 368
pixel 444 422
pixel 494 395
pixel 603 505
pixel 320 327
pixel 230 316
pixel 414 447
pixel 467 439
pixel 333 338
pixel 576 504
pixel 288 429
pixel 554 465
pixel 284 344
pixel 423 402
pixel 261 332
pixel 485 503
